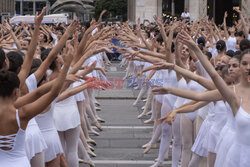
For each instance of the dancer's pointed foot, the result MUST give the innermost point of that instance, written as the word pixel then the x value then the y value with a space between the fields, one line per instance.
pixel 143 108
pixel 144 100
pixel 149 113
pixel 99 119
pixel 98 109
pixel 92 131
pixel 141 115
pixel 157 164
pixel 145 145
pixel 149 147
pixel 97 103
pixel 91 141
pixel 91 153
pixel 135 103
pixel 96 124
pixel 89 162
pixel 91 148
pixel 149 121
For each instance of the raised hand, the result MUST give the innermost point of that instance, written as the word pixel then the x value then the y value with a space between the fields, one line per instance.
pixel 186 39
pixel 72 27
pixel 39 18
pixel 163 65
pixel 160 90
pixel 225 15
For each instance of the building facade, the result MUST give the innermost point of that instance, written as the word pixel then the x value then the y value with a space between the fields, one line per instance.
pixel 146 9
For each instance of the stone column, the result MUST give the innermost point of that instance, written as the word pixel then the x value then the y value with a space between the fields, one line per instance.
pixel 194 9
pixel 48 7
pixel 21 7
pixel 203 8
pixel 172 8
pixel 131 10
pixel 34 7
pixel 245 5
pixel 159 8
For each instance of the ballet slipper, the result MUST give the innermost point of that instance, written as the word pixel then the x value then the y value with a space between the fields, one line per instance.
pixel 141 115
pixel 91 141
pixel 89 162
pixel 91 153
pixel 97 103
pixel 143 108
pixel 92 131
pixel 149 147
pixel 80 160
pixel 149 121
pixel 144 100
pixel 149 113
pixel 135 103
pixel 98 108
pixel 165 158
pixel 91 148
pixel 157 164
pixel 145 145
pixel 96 124
pixel 99 119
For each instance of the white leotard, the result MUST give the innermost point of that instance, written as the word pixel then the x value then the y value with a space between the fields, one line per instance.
pixel 47 126
pixel 34 141
pixel 16 157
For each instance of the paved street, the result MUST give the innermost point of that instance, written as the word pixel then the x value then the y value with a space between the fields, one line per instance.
pixel 119 145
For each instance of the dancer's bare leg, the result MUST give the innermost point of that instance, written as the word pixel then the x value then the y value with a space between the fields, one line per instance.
pixel 90 112
pixel 38 160
pixel 54 163
pixel 211 159
pixel 81 108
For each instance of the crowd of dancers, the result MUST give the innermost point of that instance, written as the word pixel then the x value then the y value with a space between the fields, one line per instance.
pixel 196 76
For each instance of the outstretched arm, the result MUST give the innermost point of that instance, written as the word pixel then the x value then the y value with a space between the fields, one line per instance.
pixel 54 52
pixel 31 110
pixel 24 72
pixel 225 91
pixel 213 95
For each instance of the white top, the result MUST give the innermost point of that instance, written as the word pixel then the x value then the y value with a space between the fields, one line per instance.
pixel 66 114
pixel 17 155
pixel 231 43
pixel 185 15
pixel 182 84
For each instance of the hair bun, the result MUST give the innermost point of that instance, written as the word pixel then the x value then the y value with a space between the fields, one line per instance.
pixel 3 75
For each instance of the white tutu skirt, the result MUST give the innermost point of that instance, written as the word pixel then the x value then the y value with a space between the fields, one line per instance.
pixel 66 115
pixel 225 141
pixel 79 96
pixel 34 140
pixel 54 145
pixel 198 146
pixel 159 98
pixel 238 156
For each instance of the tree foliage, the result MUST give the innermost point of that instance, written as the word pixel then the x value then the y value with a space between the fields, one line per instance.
pixel 114 8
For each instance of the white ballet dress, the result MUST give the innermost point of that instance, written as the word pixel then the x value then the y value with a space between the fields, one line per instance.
pixel 239 153
pixel 16 157
pixel 192 85
pixel 47 126
pixel 79 96
pixel 226 138
pixel 201 139
pixel 170 80
pixel 217 123
pixel 66 114
pixel 34 141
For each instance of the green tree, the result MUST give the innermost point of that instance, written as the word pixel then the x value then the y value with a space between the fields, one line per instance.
pixel 114 8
